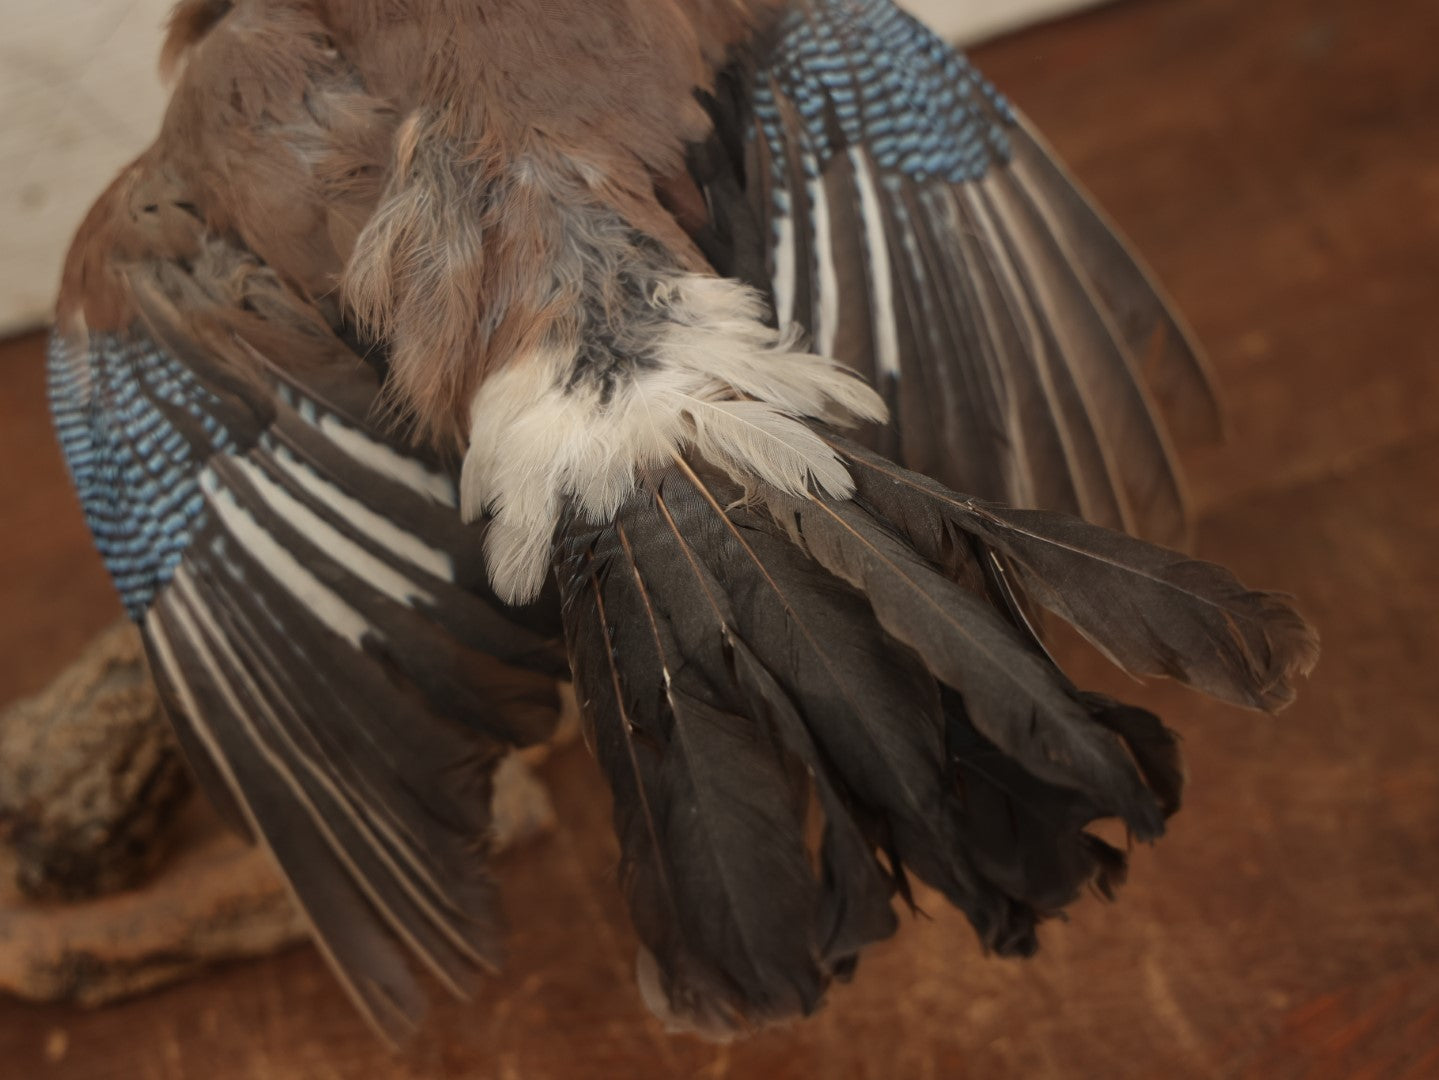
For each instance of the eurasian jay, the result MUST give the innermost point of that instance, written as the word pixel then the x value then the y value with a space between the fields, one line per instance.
pixel 438 350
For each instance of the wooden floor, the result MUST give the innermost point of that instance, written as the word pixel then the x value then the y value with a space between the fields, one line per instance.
pixel 1279 163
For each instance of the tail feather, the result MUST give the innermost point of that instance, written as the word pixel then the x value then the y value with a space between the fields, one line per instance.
pixel 1154 746
pixel 854 903
pixel 709 806
pixel 1151 610
pixel 855 893
pixel 871 707
pixel 754 663
pixel 1015 697
pixel 1027 834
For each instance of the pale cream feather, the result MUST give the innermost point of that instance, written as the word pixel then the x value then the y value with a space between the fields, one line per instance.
pixel 722 383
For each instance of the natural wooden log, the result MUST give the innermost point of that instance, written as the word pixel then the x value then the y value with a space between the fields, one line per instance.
pixel 90 778
pixel 216 898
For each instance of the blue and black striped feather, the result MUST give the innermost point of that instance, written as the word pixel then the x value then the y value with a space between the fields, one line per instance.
pixel 320 625
pixel 913 223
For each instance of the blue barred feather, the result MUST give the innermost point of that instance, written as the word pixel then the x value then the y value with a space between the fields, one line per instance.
pixel 135 472
pixel 863 73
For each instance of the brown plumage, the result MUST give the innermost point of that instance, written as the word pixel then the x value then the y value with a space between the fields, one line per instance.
pixel 414 156
pixel 439 349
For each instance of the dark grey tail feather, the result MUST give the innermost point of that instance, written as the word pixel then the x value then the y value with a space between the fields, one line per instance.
pixel 709 804
pixel 883 726
pixel 747 660
pixel 1015 697
pixel 1150 610
pixel 1155 748
pixel 1028 835
pixel 854 891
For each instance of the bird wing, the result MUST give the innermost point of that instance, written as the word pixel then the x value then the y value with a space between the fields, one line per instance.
pixel 897 207
pixel 317 620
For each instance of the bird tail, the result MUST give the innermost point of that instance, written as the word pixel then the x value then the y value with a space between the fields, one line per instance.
pixel 802 701
pixel 807 672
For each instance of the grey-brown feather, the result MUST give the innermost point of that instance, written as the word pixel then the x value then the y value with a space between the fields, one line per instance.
pixel 362 851
pixel 364 763
pixel 1171 358
pixel 1031 350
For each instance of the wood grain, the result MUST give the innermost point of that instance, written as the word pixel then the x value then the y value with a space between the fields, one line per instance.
pixel 1277 162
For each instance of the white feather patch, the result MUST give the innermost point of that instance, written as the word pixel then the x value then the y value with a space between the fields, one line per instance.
pixel 722 383
pixel 826 280
pixel 750 437
pixel 886 330
pixel 399 541
pixel 280 564
pixel 372 454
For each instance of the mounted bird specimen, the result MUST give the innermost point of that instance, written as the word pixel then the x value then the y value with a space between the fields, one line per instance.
pixel 437 350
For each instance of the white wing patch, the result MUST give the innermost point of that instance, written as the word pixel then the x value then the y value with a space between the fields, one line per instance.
pixel 826 279
pixel 886 331
pixel 372 454
pixel 784 270
pixel 331 540
pixel 281 565
pixel 385 532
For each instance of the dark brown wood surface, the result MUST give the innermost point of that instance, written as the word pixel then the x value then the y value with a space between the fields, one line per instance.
pixel 1279 162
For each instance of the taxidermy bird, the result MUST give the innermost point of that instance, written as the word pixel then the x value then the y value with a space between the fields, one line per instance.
pixel 751 364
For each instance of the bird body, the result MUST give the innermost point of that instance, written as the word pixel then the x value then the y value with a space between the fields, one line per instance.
pixel 437 350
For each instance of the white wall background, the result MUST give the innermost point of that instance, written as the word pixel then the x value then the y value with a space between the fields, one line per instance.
pixel 79 96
